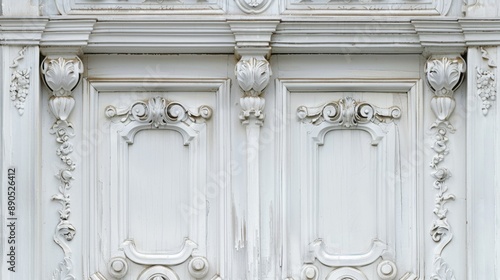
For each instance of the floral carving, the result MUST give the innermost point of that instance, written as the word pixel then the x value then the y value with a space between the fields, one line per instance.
pixel 158 111
pixel 444 76
pixel 61 76
pixel 347 112
pixel 253 76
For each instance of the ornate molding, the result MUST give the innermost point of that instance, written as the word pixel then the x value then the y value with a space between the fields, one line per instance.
pixel 309 272
pixel 159 111
pixel 253 6
pixel 175 258
pixel 486 88
pixel 253 75
pixel 19 83
pixel 486 82
pixel 198 267
pixel 61 76
pixel 319 249
pixel 387 270
pixel 444 76
pixel 346 273
pixel 158 273
pixel 347 112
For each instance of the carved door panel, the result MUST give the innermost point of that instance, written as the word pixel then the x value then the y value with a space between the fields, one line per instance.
pixel 153 199
pixel 345 184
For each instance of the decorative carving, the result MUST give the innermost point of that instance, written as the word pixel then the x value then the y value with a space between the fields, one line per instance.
pixel 61 76
pixel 253 77
pixel 409 276
pixel 318 247
pixel 486 82
pixel 21 53
pixel 444 76
pixel 485 55
pixel 117 267
pixel 158 259
pixel 347 112
pixel 346 273
pixel 387 270
pixel 19 83
pixel 486 88
pixel 158 273
pixel 198 267
pixel 159 111
pixel 309 272
pixel 19 88
pixel 253 6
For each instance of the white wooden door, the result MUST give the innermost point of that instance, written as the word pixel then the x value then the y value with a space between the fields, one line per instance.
pixel 163 185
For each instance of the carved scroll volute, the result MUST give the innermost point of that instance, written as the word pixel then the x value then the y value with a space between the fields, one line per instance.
pixel 253 75
pixel 444 76
pixel 61 75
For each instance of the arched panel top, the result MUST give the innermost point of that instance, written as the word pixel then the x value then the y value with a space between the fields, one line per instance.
pixel 347 113
pixel 158 112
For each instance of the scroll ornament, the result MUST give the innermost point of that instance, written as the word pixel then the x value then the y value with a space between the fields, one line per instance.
pixel 253 76
pixel 61 75
pixel 158 111
pixel 444 76
pixel 348 112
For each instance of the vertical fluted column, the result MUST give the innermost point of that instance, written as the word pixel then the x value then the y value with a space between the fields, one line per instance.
pixel 444 75
pixel 61 75
pixel 253 74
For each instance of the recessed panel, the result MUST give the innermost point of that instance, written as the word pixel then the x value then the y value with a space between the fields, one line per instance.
pixel 158 190
pixel 347 208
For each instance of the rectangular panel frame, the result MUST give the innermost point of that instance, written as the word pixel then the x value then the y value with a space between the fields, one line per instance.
pixel 413 88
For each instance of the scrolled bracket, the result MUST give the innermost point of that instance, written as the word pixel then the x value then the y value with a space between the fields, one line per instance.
pixel 198 267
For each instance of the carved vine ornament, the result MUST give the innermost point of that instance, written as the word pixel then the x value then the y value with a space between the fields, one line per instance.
pixel 19 83
pixel 486 83
pixel 444 76
pixel 61 75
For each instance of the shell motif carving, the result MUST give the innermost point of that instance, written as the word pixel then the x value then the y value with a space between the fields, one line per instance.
pixel 444 76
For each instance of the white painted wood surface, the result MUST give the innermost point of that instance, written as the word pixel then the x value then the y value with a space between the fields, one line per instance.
pixel 216 159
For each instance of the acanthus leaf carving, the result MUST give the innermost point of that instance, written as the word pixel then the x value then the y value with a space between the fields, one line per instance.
pixel 444 76
pixel 159 111
pixel 253 6
pixel 61 76
pixel 253 76
pixel 347 112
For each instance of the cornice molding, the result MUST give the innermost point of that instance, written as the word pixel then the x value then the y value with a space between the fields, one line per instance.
pixel 22 31
pixel 221 35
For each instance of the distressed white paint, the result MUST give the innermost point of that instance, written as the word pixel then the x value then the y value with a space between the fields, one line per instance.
pixel 287 197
